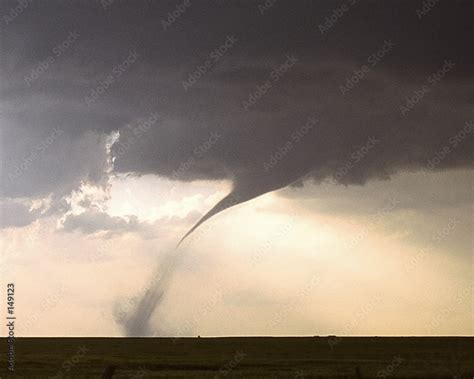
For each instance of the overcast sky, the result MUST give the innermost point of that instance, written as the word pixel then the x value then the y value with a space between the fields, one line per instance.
pixel 339 133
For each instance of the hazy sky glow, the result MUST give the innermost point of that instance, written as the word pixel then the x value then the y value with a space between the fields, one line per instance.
pixel 302 261
pixel 346 145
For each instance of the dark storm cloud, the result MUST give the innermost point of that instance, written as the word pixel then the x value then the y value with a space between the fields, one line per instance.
pixel 14 214
pixel 388 89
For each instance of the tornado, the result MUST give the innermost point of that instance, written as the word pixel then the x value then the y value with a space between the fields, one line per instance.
pixel 247 189
pixel 138 322
pixel 233 198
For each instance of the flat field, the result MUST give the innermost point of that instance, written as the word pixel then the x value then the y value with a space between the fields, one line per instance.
pixel 242 357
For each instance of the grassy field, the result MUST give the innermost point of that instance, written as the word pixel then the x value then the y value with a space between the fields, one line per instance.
pixel 298 357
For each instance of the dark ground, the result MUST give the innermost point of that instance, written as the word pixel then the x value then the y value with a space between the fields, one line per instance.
pixel 247 357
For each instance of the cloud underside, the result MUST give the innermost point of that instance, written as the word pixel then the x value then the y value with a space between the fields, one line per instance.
pixel 318 117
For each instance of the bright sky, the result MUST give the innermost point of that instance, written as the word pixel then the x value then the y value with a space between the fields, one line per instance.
pixel 304 261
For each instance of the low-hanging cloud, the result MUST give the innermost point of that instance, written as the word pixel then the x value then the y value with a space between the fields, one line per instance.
pixel 412 98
